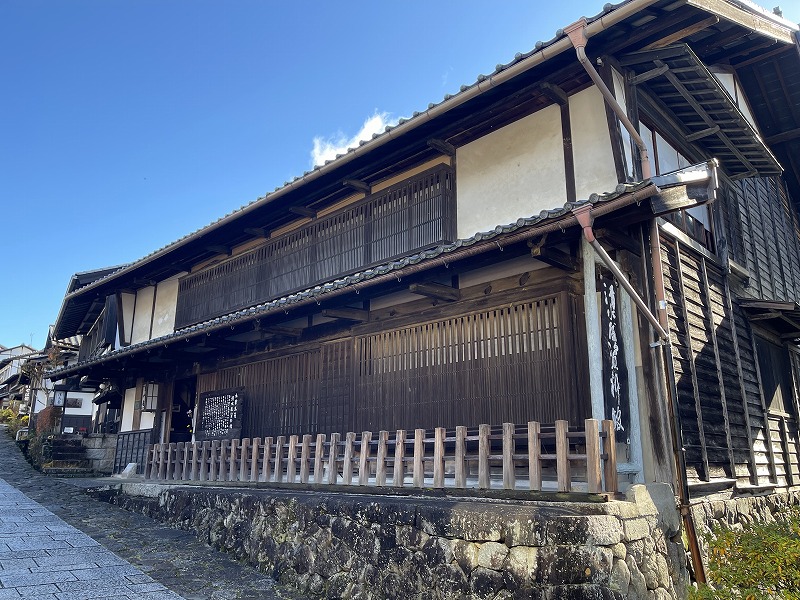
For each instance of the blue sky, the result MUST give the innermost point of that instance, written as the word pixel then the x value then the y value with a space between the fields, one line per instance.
pixel 126 124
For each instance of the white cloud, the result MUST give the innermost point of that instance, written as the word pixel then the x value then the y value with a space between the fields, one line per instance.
pixel 327 148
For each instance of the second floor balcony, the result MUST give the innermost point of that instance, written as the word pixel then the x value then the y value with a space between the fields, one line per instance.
pixel 410 216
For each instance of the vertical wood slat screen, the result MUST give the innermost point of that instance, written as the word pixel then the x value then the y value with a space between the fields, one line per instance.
pixel 413 215
pixel 516 361
pixel 511 363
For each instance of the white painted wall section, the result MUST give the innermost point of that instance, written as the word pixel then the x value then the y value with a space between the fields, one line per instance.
pixel 512 173
pixel 148 418
pixel 166 301
pixel 127 409
pixel 143 314
pixel 128 304
pixel 595 172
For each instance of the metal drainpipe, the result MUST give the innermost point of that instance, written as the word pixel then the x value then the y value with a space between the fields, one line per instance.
pixel 584 216
pixel 577 35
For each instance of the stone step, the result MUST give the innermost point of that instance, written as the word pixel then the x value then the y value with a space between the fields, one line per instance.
pixel 68 471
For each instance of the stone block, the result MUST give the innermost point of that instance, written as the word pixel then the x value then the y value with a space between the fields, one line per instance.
pixel 525 532
pixel 635 529
pixel 466 555
pixel 574 565
pixel 638 585
pixel 620 577
pixel 597 530
pixel 485 583
pixel 519 568
pixel 491 555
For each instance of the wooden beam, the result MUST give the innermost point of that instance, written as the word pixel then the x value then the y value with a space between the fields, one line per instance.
pixel 554 93
pixel 764 316
pixel 648 75
pixel 219 249
pixel 556 258
pixel 790 336
pixel 619 239
pixel 358 185
pixel 293 332
pixel 786 136
pixel 437 291
pixel 259 232
pixel 443 147
pixel 692 137
pixel 683 32
pixel 347 313
pixel 303 211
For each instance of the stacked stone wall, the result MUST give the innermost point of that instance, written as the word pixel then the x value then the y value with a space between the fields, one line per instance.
pixel 737 513
pixel 355 546
pixel 100 450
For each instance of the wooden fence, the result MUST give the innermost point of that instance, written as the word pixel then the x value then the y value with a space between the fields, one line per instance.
pixel 528 456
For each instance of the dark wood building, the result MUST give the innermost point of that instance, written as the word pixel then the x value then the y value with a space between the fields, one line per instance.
pixel 518 252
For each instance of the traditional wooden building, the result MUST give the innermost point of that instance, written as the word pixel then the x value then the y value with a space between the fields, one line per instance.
pixel 605 227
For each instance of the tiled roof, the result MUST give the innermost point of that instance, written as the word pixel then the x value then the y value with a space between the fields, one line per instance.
pixel 519 57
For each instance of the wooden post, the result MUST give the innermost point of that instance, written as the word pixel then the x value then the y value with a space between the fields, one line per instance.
pixel 534 460
pixel 333 459
pixel 291 464
pixel 363 463
pixel 483 456
pixel 195 457
pixel 222 475
pixel 180 461
pixel 305 451
pixel 279 442
pixel 399 472
pixel 265 463
pixel 593 475
pixel 254 453
pixel 380 465
pixel 347 467
pixel 162 459
pixel 204 460
pixel 419 458
pixel 148 466
pixel 461 451
pixel 244 454
pixel 562 462
pixel 610 450
pixel 169 474
pixel 212 472
pixel 233 471
pixel 438 457
pixel 319 451
pixel 509 478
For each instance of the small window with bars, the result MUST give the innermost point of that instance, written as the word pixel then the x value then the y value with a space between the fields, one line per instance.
pixel 150 396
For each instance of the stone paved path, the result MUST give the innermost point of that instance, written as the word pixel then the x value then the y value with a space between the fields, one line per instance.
pixel 43 557
pixel 122 547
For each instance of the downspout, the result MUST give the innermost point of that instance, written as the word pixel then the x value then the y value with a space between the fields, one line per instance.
pixel 577 35
pixel 585 218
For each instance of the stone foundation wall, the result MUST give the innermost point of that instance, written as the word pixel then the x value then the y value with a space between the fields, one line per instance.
pixel 100 450
pixel 735 513
pixel 356 546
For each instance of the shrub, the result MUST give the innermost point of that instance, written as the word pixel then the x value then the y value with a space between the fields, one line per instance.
pixel 6 415
pixel 761 562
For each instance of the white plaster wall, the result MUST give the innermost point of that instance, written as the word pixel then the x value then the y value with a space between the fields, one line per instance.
pixel 516 171
pixel 166 300
pixel 728 82
pixel 147 420
pixel 143 314
pixel 87 406
pixel 127 409
pixel 591 144
pixel 128 303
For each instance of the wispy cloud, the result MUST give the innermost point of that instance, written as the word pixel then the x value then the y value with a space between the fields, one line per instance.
pixel 326 148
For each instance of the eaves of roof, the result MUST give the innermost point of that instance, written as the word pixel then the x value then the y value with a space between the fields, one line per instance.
pixel 498 235
pixel 542 52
